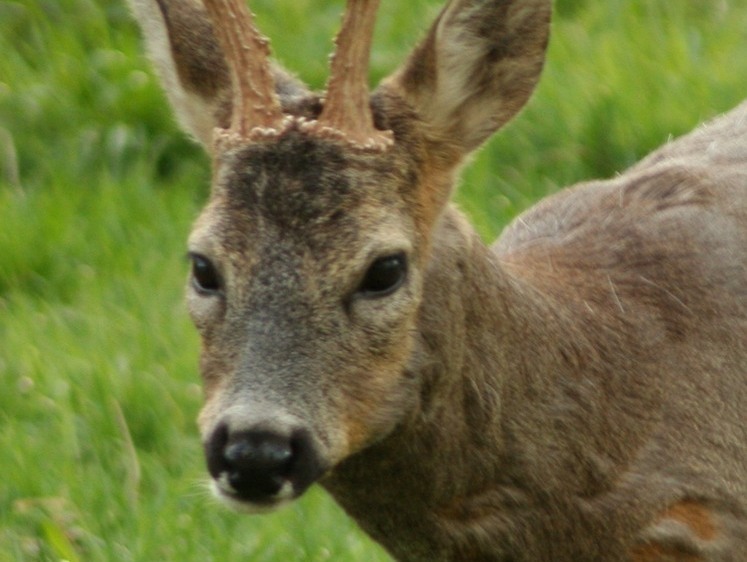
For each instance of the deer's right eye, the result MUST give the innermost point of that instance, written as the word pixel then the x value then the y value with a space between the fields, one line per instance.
pixel 205 277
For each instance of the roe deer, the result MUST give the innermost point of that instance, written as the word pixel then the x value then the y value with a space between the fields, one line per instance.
pixel 575 392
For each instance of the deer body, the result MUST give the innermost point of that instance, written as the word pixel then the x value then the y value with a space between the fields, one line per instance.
pixel 572 393
pixel 584 431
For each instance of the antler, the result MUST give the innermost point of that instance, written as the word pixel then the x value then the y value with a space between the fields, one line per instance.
pixel 347 110
pixel 256 107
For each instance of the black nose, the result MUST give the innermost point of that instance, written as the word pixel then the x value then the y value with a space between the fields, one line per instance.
pixel 257 464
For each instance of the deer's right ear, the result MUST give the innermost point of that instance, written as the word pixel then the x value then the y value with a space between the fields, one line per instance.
pixel 185 51
pixel 193 71
pixel 475 70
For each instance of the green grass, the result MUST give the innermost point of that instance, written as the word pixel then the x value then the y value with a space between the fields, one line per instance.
pixel 99 456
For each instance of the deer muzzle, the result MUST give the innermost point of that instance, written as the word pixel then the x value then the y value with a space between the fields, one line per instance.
pixel 261 464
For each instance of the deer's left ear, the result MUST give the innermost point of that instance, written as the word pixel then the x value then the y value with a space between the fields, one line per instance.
pixel 475 70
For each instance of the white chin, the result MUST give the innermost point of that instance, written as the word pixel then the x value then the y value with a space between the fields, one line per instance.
pixel 226 495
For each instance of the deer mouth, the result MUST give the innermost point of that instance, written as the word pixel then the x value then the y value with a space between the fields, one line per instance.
pixel 224 491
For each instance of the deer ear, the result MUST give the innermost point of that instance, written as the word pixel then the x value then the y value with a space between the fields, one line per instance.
pixel 185 52
pixel 192 68
pixel 475 70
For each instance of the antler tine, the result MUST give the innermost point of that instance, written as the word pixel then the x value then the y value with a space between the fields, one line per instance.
pixel 347 107
pixel 255 103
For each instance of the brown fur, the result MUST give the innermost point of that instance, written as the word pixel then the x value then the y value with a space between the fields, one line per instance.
pixel 573 393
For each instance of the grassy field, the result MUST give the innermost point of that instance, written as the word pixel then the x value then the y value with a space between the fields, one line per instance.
pixel 99 456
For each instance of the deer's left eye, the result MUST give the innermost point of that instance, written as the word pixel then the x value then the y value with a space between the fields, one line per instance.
pixel 384 276
pixel 205 277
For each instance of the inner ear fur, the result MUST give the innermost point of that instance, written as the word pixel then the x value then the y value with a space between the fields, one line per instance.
pixel 475 70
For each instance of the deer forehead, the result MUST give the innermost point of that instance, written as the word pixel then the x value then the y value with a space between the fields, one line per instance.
pixel 298 200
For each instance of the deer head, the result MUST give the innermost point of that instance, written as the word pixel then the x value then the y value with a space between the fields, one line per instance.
pixel 309 260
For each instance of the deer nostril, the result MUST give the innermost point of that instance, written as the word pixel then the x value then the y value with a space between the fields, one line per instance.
pixel 214 451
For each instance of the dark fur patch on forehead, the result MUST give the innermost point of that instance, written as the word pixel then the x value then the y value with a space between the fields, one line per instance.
pixel 310 191
pixel 293 182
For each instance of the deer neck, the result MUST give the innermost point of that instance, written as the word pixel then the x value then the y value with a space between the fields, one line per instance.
pixel 483 350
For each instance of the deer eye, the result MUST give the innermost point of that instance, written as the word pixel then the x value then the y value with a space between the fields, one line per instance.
pixel 384 276
pixel 205 278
